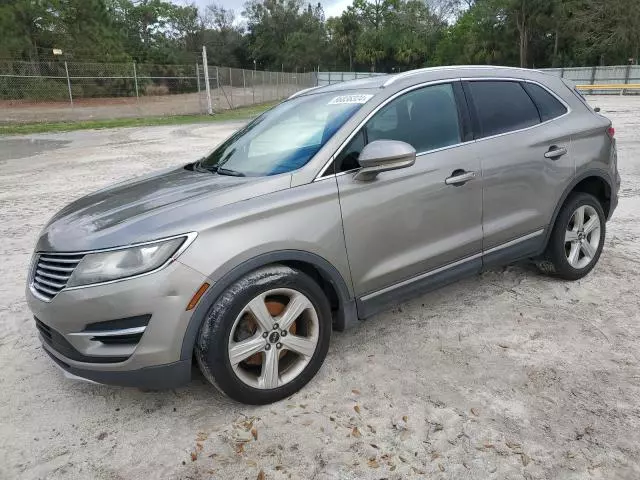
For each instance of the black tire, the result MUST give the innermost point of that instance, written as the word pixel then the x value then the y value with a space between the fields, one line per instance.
pixel 213 339
pixel 554 259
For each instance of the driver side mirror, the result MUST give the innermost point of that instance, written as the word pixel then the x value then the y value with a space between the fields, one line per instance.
pixel 382 156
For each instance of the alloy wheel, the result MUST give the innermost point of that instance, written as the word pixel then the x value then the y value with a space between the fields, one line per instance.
pixel 582 236
pixel 273 338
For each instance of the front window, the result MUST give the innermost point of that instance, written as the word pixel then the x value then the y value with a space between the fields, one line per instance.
pixel 426 118
pixel 286 137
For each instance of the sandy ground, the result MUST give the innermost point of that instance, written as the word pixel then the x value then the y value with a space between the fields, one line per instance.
pixel 506 375
pixel 146 106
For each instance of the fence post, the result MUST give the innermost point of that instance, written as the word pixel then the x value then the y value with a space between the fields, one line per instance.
pixel 593 77
pixel 627 75
pixel 135 78
pixel 230 89
pixel 218 82
pixel 329 77
pixel 562 72
pixel 198 76
pixel 244 84
pixel 253 86
pixel 66 69
pixel 205 64
pixel 198 86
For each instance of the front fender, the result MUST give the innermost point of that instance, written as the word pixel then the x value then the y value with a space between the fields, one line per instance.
pixel 347 314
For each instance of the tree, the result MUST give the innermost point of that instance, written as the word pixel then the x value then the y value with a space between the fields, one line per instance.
pixel 344 32
pixel 284 34
pixel 379 35
pixel 225 40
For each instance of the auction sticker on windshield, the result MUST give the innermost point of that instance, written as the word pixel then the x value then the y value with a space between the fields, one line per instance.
pixel 342 99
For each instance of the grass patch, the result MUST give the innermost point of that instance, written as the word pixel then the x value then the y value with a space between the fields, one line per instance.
pixel 241 113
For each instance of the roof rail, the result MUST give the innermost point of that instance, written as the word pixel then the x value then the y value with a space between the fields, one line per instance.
pixel 304 90
pixel 410 73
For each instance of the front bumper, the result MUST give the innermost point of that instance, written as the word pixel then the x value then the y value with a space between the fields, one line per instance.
pixel 159 377
pixel 152 360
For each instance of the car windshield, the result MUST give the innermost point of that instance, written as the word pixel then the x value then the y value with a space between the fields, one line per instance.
pixel 286 137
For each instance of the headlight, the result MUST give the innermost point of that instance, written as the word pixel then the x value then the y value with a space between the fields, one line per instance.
pixel 127 262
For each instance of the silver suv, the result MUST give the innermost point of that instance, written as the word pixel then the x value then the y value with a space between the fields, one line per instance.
pixel 319 213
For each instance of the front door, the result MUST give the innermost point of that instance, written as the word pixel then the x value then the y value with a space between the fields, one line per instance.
pixel 405 225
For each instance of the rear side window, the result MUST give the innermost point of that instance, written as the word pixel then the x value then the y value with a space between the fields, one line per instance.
pixel 548 106
pixel 502 106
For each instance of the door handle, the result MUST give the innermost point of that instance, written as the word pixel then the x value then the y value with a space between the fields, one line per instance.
pixel 459 177
pixel 555 152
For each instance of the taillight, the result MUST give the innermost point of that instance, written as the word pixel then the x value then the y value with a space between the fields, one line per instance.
pixel 611 132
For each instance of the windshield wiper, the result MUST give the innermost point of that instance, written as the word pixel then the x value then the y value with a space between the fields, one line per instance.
pixel 220 170
pixel 228 171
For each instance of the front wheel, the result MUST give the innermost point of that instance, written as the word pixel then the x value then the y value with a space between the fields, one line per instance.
pixel 266 336
pixel 577 238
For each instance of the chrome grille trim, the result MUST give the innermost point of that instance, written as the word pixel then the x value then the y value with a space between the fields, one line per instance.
pixel 51 272
pixel 60 258
pixel 110 333
pixel 47 274
pixel 49 283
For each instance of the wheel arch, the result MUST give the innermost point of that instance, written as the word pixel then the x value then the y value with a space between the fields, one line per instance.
pixel 319 269
pixel 596 182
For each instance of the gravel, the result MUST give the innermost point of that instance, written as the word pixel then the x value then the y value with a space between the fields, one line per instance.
pixel 509 374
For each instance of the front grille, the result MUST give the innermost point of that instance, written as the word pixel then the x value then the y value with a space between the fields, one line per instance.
pixel 52 272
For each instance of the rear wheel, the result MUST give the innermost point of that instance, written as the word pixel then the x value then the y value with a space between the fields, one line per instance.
pixel 266 336
pixel 577 238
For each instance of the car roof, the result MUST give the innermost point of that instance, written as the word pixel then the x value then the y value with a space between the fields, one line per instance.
pixel 423 75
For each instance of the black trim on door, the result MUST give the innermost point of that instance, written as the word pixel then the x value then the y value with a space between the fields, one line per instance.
pixel 476 131
pixel 464 117
pixel 532 99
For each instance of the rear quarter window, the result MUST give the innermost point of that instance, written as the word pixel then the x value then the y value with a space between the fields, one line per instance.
pixel 548 105
pixel 502 106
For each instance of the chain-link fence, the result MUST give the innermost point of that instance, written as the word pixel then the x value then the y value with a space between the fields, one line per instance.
pixel 621 79
pixel 602 76
pixel 68 91
pixel 329 78
pixel 65 90
pixel 234 87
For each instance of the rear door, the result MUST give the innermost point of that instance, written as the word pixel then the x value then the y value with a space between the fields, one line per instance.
pixel 525 158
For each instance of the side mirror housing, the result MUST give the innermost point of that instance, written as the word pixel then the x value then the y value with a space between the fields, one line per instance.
pixel 382 156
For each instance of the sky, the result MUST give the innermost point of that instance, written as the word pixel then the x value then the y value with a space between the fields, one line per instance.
pixel 332 8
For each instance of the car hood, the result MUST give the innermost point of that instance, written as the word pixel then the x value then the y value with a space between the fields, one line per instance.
pixel 147 208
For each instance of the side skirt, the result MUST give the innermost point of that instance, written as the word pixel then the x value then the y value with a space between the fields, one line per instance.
pixel 376 302
pixel 524 247
pixel 527 246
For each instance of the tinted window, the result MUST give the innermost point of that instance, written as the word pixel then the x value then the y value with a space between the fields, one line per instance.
pixel 348 157
pixel 548 106
pixel 426 119
pixel 502 107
